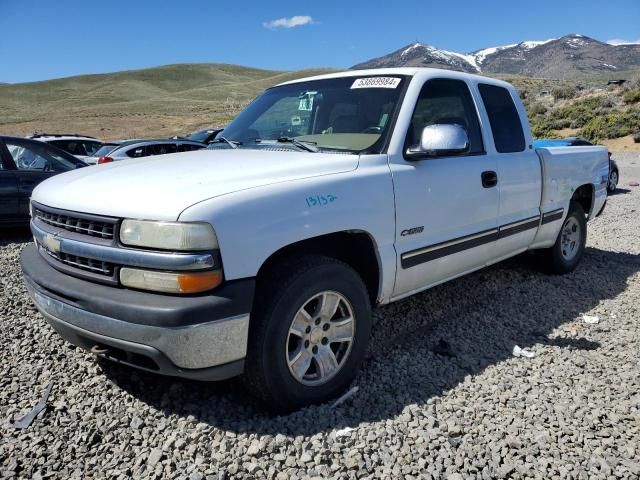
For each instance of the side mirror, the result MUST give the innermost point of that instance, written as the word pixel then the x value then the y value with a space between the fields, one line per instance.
pixel 440 140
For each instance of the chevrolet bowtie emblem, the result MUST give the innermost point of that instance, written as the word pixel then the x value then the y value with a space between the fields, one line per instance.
pixel 51 243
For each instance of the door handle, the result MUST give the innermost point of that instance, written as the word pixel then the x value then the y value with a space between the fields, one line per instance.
pixel 489 179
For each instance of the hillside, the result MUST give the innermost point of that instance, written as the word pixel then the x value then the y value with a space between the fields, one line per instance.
pixel 607 115
pixel 177 99
pixel 568 57
pixel 162 101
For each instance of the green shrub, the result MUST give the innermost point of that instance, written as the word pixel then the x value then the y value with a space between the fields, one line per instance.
pixel 564 92
pixel 578 113
pixel 612 125
pixel 537 109
pixel 540 128
pixel 631 96
pixel 607 101
pixel 633 83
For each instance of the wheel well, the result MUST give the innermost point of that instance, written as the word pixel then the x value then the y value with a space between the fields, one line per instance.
pixel 355 248
pixel 584 196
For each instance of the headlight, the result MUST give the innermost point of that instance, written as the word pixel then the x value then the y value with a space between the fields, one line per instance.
pixel 168 235
pixel 192 282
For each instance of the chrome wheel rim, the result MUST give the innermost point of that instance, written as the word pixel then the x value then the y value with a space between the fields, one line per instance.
pixel 570 242
pixel 613 181
pixel 320 338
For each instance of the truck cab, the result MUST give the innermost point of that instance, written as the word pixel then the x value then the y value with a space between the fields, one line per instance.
pixel 263 255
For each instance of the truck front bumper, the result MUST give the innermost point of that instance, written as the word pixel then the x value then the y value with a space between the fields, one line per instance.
pixel 202 337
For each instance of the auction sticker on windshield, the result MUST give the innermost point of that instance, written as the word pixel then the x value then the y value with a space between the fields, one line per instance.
pixel 376 82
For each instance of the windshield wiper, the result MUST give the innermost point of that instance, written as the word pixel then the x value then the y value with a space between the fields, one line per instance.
pixel 231 143
pixel 301 144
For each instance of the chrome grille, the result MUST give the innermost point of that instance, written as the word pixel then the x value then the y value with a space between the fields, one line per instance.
pixel 76 224
pixel 83 263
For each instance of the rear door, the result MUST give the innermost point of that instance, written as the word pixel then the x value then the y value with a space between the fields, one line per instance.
pixel 8 188
pixel 518 170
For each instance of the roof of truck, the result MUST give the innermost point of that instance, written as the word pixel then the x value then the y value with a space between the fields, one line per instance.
pixel 409 71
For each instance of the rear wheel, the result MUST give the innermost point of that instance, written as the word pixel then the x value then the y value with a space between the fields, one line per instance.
pixel 613 181
pixel 567 251
pixel 309 333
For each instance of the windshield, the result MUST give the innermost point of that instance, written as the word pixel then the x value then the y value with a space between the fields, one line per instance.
pixel 62 163
pixel 348 114
pixel 104 150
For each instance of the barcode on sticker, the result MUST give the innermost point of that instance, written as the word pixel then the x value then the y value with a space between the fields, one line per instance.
pixel 376 82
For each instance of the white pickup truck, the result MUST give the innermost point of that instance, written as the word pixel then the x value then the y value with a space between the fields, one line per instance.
pixel 263 255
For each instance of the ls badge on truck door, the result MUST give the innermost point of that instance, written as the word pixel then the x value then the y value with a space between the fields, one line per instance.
pixel 411 231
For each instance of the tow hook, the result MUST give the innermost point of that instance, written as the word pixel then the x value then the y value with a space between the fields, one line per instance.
pixel 97 350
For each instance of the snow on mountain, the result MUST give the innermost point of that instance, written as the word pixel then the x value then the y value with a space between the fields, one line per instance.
pixel 555 57
pixel 481 55
pixel 535 43
pixel 406 51
pixel 621 41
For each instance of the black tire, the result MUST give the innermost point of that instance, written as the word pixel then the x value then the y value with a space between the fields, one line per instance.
pixel 611 187
pixel 555 261
pixel 280 295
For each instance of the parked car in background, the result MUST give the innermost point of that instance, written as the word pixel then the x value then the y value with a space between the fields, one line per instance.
pixel 146 148
pixel 24 163
pixel 614 171
pixel 104 150
pixel 205 136
pixel 80 146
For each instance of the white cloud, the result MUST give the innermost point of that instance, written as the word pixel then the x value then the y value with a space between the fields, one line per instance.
pixel 295 21
pixel 621 41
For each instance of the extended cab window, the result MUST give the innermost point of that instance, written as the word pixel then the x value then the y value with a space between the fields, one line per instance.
pixel 506 126
pixel 445 101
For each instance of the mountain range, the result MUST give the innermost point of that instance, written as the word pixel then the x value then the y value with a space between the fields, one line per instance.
pixel 569 56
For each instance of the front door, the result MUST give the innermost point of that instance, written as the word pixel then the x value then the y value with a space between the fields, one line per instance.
pixel 446 207
pixel 33 165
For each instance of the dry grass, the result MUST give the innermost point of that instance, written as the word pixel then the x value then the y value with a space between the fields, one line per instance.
pixel 622 144
pixel 155 102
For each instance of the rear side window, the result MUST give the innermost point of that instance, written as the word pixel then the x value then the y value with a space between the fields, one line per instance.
pixel 74 147
pixel 503 116
pixel 92 147
pixel 161 149
pixel 137 152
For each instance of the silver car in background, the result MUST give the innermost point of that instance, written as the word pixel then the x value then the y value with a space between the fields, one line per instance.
pixel 145 148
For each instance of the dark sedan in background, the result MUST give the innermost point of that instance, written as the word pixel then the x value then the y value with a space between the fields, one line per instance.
pixel 614 171
pixel 24 163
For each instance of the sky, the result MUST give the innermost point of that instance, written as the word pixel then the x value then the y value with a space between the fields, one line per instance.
pixel 43 39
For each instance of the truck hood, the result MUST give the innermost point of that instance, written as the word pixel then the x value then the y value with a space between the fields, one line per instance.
pixel 161 187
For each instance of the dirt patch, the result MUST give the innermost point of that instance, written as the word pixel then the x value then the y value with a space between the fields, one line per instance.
pixel 622 144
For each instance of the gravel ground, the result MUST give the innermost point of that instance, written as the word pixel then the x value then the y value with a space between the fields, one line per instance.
pixel 474 411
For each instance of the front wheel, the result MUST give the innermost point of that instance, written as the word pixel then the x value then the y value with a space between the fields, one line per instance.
pixel 566 253
pixel 309 333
